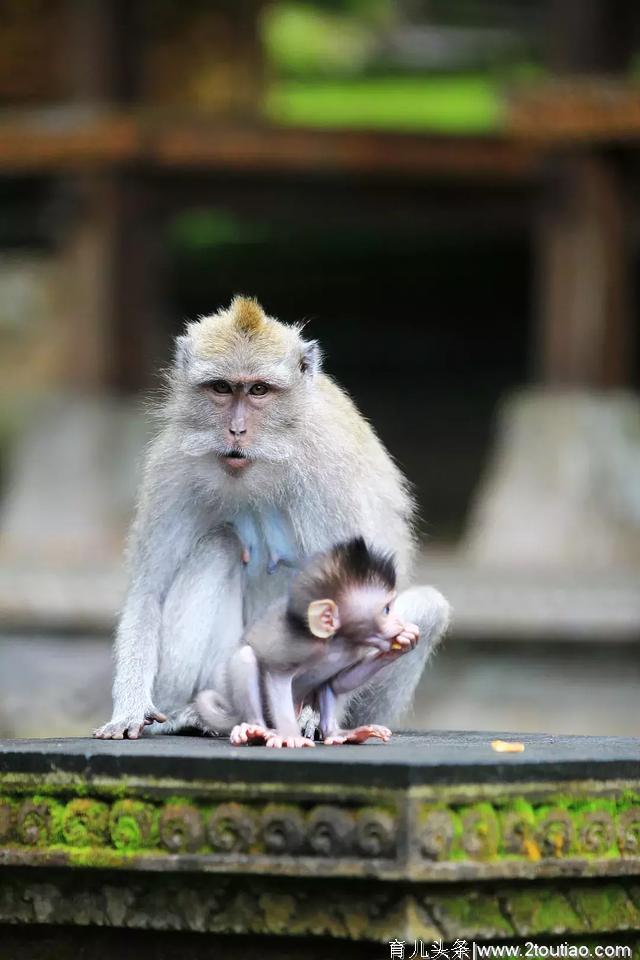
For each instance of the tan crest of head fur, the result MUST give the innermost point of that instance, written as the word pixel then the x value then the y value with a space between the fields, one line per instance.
pixel 243 326
pixel 248 315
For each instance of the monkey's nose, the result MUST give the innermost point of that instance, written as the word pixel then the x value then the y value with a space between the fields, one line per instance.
pixel 236 431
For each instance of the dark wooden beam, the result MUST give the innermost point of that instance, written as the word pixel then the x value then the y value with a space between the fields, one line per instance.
pixel 69 139
pixel 585 330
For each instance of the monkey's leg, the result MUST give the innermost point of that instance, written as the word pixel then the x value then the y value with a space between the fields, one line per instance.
pixel 244 676
pixel 331 732
pixel 278 686
pixel 387 697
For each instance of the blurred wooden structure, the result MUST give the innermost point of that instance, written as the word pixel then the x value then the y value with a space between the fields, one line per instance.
pixel 139 109
pixel 132 99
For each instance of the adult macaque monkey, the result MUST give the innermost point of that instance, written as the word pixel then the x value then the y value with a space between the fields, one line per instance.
pixel 333 632
pixel 259 448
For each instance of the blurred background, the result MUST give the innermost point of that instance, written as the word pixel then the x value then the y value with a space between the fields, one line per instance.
pixel 449 193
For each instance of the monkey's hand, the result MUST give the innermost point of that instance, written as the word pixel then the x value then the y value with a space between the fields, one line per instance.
pixel 403 642
pixel 130 727
pixel 358 735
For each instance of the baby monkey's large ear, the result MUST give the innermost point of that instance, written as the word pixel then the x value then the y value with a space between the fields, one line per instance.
pixel 323 618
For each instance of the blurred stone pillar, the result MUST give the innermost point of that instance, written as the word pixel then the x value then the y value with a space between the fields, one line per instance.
pixel 71 472
pixel 562 488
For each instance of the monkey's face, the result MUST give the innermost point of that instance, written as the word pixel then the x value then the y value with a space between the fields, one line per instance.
pixel 246 413
pixel 368 615
pixel 242 386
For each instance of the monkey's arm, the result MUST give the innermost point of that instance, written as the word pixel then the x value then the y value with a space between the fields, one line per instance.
pixel 161 537
pixel 353 677
pixel 374 661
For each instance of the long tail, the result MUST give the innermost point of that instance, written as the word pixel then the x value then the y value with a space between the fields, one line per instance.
pixel 214 712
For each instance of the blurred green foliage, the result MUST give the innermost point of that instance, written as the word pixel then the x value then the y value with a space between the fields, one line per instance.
pixel 193 231
pixel 329 70
pixel 444 104
pixel 303 39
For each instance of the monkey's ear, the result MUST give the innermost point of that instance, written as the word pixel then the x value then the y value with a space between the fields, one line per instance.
pixel 323 618
pixel 184 352
pixel 311 359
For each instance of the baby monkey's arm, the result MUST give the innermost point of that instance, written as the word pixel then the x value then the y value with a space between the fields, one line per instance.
pixel 353 677
pixel 373 661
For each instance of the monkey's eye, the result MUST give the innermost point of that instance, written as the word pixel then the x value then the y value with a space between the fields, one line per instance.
pixel 387 610
pixel 220 386
pixel 259 390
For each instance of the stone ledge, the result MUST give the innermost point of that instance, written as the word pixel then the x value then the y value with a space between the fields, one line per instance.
pixel 429 836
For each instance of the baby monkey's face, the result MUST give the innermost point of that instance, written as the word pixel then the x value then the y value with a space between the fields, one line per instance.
pixel 367 615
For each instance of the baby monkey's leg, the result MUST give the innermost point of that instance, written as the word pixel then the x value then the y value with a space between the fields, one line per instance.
pixel 244 676
pixel 279 689
pixel 331 732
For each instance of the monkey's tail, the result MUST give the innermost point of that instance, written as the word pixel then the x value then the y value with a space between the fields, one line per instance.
pixel 214 712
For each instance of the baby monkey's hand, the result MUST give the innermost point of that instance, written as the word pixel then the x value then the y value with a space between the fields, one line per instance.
pixel 406 640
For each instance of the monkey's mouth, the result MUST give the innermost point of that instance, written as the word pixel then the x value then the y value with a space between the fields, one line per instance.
pixel 235 458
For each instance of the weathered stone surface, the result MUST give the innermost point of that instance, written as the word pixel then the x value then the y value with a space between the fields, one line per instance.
pixel 408 760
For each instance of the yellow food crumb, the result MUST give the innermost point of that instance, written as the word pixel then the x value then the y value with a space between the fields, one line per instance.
pixel 507 746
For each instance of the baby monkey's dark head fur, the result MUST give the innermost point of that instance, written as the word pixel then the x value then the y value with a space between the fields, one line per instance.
pixel 352 569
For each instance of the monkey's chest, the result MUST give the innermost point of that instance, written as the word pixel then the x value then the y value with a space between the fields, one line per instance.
pixel 269 554
pixel 267 541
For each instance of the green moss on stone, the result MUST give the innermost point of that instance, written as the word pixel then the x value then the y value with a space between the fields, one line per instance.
pixel 518 830
pixel 471 915
pixel 607 907
pixel 85 823
pixel 596 824
pixel 101 857
pixel 133 825
pixel 39 821
pixel 278 910
pixel 537 910
pixel 480 831
pixel 556 830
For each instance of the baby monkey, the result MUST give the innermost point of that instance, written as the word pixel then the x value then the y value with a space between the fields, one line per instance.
pixel 333 632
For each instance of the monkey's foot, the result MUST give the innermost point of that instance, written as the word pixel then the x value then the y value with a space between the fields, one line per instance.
pixel 129 727
pixel 246 733
pixel 359 735
pixel 275 741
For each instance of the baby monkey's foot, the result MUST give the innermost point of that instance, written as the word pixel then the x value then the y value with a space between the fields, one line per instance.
pixel 246 733
pixel 359 735
pixel 275 741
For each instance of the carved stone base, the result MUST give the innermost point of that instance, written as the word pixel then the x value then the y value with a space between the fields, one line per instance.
pixel 361 910
pixel 429 838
